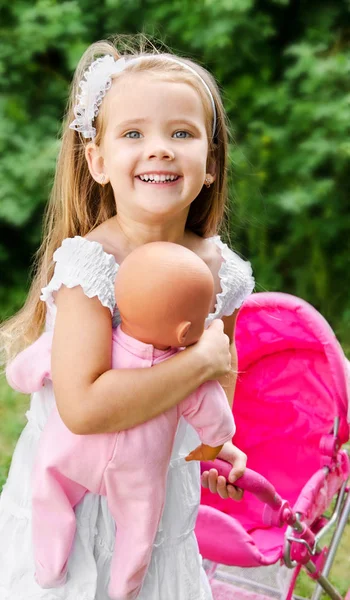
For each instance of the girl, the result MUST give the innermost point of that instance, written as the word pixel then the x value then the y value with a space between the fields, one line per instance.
pixel 143 158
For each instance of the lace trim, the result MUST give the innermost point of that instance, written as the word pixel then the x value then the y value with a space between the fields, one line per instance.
pixel 83 262
pixel 236 278
pixel 96 82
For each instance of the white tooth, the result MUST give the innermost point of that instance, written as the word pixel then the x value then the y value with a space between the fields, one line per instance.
pixel 145 177
pixel 172 177
pixel 163 177
pixel 156 178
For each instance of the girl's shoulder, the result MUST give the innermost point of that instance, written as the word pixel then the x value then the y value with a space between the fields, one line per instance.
pixel 83 262
pixel 233 276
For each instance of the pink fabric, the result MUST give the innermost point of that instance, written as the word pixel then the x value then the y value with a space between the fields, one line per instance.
pixel 291 386
pixel 114 465
pixel 28 371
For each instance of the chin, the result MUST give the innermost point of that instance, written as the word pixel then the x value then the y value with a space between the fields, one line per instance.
pixel 153 213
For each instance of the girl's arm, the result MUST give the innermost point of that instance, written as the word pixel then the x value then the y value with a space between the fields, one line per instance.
pixel 229 452
pixel 93 398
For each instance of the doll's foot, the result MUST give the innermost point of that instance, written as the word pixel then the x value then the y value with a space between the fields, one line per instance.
pixel 46 582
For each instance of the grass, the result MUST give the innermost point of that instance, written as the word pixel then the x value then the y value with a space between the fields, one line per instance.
pixel 12 420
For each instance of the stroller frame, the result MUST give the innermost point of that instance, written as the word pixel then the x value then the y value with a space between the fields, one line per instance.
pixel 302 548
pixel 339 519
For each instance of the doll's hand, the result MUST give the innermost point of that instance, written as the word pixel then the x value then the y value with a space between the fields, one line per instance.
pixel 214 348
pixel 217 484
pixel 204 452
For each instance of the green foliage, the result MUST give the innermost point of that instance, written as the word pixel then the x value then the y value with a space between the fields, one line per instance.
pixel 283 68
pixel 12 421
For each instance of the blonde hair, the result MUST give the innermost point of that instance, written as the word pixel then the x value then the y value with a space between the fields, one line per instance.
pixel 78 204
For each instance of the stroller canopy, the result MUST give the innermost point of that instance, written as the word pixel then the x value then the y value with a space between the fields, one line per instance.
pixel 291 385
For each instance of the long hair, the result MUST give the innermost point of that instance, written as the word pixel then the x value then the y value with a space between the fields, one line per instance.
pixel 78 204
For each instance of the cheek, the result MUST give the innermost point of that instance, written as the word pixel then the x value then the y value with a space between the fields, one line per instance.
pixel 200 158
pixel 120 162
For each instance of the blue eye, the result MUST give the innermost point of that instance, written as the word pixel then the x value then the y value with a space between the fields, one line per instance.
pixel 134 135
pixel 181 135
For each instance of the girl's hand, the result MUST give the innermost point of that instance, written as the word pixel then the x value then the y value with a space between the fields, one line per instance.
pixel 217 484
pixel 214 348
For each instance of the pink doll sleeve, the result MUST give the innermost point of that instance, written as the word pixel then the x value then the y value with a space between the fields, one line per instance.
pixel 26 372
pixel 208 411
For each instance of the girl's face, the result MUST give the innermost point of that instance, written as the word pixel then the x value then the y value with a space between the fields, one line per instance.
pixel 154 149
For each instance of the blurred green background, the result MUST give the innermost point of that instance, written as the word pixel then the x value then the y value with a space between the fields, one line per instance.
pixel 283 67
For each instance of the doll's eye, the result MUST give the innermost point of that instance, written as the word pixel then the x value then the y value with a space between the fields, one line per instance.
pixel 182 134
pixel 134 135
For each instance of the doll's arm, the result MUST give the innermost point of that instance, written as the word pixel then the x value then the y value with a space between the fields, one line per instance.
pixel 27 371
pixel 204 452
pixel 208 412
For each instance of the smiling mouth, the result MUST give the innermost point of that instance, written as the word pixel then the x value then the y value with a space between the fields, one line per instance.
pixel 157 179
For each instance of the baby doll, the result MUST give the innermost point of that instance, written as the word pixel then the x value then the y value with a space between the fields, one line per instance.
pixel 163 292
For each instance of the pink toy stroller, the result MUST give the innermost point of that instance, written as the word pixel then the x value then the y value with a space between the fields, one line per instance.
pixel 291 409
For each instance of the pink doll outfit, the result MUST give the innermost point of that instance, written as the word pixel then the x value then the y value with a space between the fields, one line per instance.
pixel 175 570
pixel 113 465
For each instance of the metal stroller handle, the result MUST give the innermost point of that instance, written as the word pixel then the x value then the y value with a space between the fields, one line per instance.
pixel 251 481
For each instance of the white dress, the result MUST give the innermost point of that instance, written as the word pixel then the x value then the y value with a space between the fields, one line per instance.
pixel 175 571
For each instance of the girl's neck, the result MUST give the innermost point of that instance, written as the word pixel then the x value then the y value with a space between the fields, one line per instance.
pixel 133 234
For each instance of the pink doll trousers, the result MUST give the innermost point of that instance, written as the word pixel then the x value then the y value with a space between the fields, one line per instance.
pixel 65 471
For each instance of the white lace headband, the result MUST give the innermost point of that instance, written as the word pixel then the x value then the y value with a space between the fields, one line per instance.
pixel 97 80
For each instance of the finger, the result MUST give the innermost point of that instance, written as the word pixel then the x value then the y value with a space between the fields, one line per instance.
pixel 237 471
pixel 222 487
pixel 239 462
pixel 205 482
pixel 234 493
pixel 212 480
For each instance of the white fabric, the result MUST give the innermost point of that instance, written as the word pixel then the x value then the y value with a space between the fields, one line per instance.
pixel 175 572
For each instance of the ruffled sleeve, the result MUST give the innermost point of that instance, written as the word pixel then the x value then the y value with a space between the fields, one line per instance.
pixel 82 262
pixel 236 279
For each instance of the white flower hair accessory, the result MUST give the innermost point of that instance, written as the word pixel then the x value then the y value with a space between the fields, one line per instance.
pixel 96 82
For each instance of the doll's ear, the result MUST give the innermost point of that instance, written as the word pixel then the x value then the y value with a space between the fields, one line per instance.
pixel 182 331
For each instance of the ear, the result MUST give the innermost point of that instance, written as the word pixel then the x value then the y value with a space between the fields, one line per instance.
pixel 182 331
pixel 211 169
pixel 95 162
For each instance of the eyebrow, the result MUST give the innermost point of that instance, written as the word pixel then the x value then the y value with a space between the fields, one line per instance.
pixel 140 121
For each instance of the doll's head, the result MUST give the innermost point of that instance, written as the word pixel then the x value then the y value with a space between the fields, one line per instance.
pixel 163 292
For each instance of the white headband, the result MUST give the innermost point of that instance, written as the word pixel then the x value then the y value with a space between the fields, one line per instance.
pixel 97 80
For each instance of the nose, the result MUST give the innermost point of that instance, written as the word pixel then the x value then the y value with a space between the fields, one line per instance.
pixel 159 149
